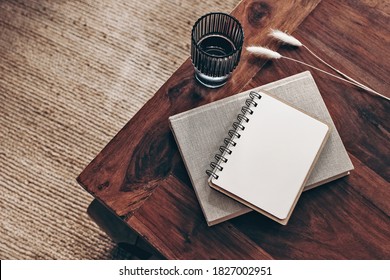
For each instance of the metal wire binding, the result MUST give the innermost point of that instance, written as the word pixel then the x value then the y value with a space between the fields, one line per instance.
pixel 235 133
pixel 246 110
pixel 250 102
pixel 223 149
pixel 242 117
pixel 228 141
pixel 254 94
pixel 237 125
pixel 214 165
pixel 219 157
pixel 211 173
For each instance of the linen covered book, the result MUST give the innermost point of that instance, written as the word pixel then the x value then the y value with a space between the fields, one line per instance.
pixel 268 155
pixel 198 133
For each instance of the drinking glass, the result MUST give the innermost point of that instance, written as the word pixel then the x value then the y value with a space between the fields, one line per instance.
pixel 216 43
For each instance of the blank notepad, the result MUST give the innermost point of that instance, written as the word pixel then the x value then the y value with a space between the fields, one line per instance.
pixel 267 160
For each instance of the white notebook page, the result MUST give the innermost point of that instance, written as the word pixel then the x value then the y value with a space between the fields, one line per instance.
pixel 272 159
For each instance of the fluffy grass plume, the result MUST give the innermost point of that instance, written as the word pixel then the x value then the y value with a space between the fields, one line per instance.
pixel 291 40
pixel 285 38
pixel 263 52
pixel 266 53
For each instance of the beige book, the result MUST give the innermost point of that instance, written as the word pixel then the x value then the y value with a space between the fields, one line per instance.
pixel 198 133
pixel 268 156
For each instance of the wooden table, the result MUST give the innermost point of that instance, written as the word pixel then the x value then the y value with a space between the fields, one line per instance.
pixel 140 177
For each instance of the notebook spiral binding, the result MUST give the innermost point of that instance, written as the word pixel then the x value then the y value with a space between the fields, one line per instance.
pixel 238 125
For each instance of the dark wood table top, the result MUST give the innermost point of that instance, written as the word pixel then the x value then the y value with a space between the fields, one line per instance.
pixel 140 176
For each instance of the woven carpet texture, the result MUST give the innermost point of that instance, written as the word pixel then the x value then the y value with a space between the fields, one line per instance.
pixel 72 73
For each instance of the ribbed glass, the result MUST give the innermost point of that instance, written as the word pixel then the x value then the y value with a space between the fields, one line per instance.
pixel 216 44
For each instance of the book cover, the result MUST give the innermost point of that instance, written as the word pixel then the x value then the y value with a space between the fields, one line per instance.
pixel 198 133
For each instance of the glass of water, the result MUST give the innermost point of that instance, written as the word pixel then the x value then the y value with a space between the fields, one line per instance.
pixel 216 43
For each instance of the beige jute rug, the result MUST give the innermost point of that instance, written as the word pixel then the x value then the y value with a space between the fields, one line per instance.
pixel 72 73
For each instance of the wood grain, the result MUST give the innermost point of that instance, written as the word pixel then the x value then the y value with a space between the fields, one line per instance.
pixel 331 222
pixel 173 204
pixel 348 218
pixel 141 177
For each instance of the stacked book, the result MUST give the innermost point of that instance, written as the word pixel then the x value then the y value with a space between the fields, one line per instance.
pixel 265 146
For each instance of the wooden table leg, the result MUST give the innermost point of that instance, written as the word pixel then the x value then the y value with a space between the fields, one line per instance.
pixel 119 232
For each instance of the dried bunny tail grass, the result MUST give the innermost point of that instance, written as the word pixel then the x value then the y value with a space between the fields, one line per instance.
pixel 338 71
pixel 270 54
pixel 263 52
pixel 285 38
pixel 291 40
pixel 352 82
pixel 332 75
pixel 266 53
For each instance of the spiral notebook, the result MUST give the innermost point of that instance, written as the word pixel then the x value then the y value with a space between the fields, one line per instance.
pixel 268 155
pixel 198 133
